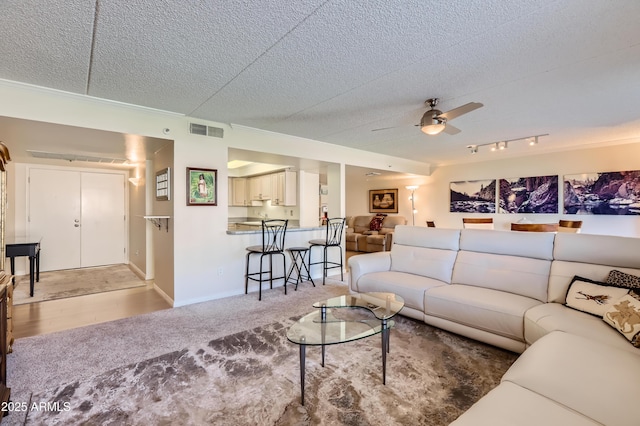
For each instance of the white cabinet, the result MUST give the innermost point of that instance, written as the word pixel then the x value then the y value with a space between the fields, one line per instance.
pixel 283 189
pixel 238 192
pixel 260 187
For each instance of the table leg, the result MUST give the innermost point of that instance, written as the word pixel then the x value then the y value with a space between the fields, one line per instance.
pixel 38 266
pixel 13 270
pixel 323 316
pixel 302 368
pixel 385 348
pixel 31 273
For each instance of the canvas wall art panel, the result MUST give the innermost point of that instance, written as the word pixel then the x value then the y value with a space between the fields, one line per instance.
pixel 473 196
pixel 537 194
pixel 608 193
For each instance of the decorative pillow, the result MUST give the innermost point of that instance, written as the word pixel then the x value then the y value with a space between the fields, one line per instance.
pixel 621 279
pixel 624 316
pixel 376 222
pixel 591 296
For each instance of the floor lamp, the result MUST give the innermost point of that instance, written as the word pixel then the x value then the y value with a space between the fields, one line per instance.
pixel 413 188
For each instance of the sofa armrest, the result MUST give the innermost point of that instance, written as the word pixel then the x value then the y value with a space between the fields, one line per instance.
pixel 362 264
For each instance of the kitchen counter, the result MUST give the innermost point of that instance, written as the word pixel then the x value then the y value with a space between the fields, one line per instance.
pixel 258 229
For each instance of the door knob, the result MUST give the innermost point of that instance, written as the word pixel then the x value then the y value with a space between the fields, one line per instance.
pixel 77 225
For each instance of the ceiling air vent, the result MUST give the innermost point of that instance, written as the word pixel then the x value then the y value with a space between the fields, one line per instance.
pixel 201 129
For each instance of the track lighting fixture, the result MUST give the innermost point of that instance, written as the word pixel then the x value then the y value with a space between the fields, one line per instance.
pixel 503 145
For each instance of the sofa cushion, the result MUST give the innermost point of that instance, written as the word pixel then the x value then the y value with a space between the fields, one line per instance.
pixel 510 404
pixel 418 236
pixel 494 311
pixel 408 286
pixel 390 222
pixel 583 375
pixel 624 316
pixel 548 317
pixel 562 272
pixel 621 279
pixel 598 249
pixel 428 262
pixel 375 224
pixel 592 297
pixel 536 245
pixel 361 224
pixel 518 275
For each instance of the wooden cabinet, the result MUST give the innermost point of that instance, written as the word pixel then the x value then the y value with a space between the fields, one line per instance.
pixel 284 189
pixel 238 192
pixel 260 188
pixel 281 188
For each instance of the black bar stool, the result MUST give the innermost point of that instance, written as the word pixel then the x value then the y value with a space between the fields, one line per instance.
pixel 335 226
pixel 273 233
pixel 299 266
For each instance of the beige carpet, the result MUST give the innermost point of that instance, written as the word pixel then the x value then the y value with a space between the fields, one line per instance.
pixel 75 282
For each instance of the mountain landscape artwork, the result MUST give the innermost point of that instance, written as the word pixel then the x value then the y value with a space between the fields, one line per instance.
pixel 537 194
pixel 610 193
pixel 473 196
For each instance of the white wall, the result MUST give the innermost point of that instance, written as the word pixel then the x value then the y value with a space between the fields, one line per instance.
pixel 432 198
pixel 208 263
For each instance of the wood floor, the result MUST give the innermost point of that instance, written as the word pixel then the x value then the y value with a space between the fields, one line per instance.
pixel 33 319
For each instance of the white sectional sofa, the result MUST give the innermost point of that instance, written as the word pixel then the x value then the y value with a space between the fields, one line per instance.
pixel 508 289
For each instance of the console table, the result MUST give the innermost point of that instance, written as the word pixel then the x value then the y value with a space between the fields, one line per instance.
pixel 324 327
pixel 30 249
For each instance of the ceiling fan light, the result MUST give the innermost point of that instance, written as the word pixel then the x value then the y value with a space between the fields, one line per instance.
pixel 431 123
pixel 433 129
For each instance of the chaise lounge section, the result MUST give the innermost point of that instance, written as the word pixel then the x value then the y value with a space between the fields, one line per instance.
pixel 508 289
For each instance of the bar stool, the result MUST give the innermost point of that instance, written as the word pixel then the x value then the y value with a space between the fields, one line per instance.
pixel 333 238
pixel 299 266
pixel 273 233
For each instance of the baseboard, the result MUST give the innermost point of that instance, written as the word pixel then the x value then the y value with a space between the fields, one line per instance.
pixel 164 295
pixel 139 272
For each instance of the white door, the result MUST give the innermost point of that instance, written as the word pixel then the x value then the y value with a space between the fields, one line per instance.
pixel 54 216
pixel 80 217
pixel 102 219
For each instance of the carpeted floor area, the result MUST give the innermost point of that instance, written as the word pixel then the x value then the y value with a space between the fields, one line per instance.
pixel 75 282
pixel 228 362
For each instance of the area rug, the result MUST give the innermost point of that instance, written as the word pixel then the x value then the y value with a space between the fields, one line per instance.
pixel 253 378
pixel 75 282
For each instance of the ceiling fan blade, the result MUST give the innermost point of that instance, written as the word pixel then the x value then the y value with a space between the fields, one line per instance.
pixel 457 112
pixel 384 128
pixel 451 130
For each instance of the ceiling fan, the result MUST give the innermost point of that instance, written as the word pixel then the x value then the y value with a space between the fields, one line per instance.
pixel 435 121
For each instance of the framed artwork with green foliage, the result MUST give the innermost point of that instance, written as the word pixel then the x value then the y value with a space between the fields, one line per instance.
pixel 202 187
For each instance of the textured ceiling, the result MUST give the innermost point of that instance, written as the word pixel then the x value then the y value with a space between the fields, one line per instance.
pixel 334 70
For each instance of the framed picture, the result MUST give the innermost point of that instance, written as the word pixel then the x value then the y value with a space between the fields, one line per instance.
pixel 202 187
pixel 383 200
pixel 537 194
pixel 603 193
pixel 473 196
pixel 163 189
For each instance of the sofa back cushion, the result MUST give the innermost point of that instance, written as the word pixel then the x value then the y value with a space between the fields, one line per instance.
pixel 430 252
pixel 390 222
pixel 514 262
pixel 537 245
pixel 590 256
pixel 361 224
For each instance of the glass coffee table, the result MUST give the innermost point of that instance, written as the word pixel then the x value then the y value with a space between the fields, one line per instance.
pixel 331 324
